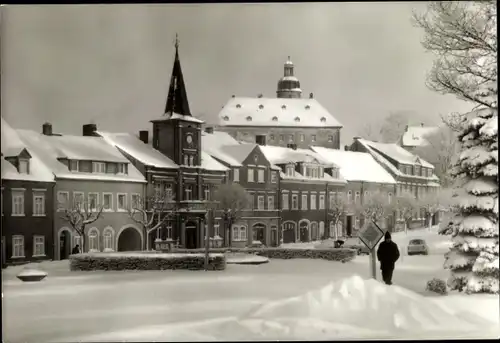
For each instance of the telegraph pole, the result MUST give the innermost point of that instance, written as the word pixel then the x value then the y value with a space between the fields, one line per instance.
pixel 208 224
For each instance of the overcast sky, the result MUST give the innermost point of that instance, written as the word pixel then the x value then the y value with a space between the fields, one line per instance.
pixel 111 64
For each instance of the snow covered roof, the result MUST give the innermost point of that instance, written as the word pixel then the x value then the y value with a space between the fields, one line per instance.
pixel 179 117
pixel 397 153
pixel 356 166
pixel 289 112
pixel 212 143
pixel 280 155
pixel 49 150
pixel 209 163
pixel 238 151
pixel 11 142
pixel 133 146
pixel 414 136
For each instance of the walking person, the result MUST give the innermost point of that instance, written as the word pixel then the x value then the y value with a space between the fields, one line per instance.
pixel 387 254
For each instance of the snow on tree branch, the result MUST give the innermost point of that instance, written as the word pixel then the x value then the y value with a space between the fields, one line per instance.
pixel 151 212
pixel 376 206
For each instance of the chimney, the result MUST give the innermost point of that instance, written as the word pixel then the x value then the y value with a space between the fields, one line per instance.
pixel 260 140
pixel 47 129
pixel 89 129
pixel 356 138
pixel 260 95
pixel 232 96
pixel 311 96
pixel 406 128
pixel 209 129
pixel 422 124
pixel 144 136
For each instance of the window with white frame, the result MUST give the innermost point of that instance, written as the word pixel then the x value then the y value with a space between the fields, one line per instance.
pixel 93 240
pixel 295 201
pixel 250 175
pixel 23 166
pixel 38 204
pixel 62 200
pixel 243 233
pixel 186 160
pixel 135 200
pixel 270 202
pixel 357 197
pixel 236 175
pixel 333 195
pixel 191 160
pixel 313 201
pixel 304 202
pixel 17 246
pixel 121 201
pixel 302 137
pixel 206 192
pixel 349 197
pixel 188 192
pixel 93 201
pixel 108 240
pixel 356 223
pixel 236 233
pixel 285 201
pixel 313 138
pixel 282 138
pixel 38 246
pixel 217 230
pixel 122 168
pixel 330 138
pixel 290 170
pixel 168 230
pixel 17 203
pixel 260 202
pixel 290 138
pixel 390 197
pixel 99 167
pixel 78 198
pixel 261 177
pixel 321 201
pixel 74 165
pixel 107 201
pixel 274 176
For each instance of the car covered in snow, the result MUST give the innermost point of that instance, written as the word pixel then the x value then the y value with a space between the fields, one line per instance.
pixel 355 243
pixel 417 246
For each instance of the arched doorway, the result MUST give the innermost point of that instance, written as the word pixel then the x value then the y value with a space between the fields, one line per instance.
pixel 304 232
pixel 289 232
pixel 191 235
pixel 259 233
pixel 314 231
pixel 65 244
pixel 129 239
pixel 274 236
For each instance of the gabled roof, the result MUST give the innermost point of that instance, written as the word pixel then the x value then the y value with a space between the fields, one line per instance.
pixel 281 155
pixel 356 166
pixel 209 163
pixel 272 112
pixel 239 152
pixel 49 150
pixel 396 152
pixel 12 142
pixel 415 135
pixel 217 139
pixel 134 147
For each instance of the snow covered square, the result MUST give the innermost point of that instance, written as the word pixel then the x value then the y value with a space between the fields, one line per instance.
pixel 282 299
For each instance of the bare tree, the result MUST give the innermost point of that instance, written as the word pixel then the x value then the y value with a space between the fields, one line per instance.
pixel 435 201
pixel 232 200
pixel 464 37
pixel 80 214
pixel 376 206
pixel 441 150
pixel 338 206
pixel 152 212
pixel 406 204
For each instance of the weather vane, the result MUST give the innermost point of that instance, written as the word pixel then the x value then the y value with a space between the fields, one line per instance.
pixel 176 41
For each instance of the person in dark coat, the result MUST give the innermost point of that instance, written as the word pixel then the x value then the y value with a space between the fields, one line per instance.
pixel 76 250
pixel 387 254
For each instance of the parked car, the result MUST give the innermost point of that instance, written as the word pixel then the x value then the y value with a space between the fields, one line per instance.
pixel 355 243
pixel 417 247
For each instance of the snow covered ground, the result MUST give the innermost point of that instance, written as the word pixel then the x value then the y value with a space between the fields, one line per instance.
pixel 286 299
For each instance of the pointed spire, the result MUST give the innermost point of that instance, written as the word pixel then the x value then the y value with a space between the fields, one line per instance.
pixel 177 101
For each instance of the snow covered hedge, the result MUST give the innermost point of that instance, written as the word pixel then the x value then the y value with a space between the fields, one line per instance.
pixel 144 261
pixel 342 255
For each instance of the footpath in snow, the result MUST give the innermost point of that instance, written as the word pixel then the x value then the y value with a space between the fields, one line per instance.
pixel 352 308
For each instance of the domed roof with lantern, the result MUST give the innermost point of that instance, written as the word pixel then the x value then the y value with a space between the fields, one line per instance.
pixel 288 85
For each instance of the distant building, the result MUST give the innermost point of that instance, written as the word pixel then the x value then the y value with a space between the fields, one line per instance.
pixel 27 202
pixel 281 121
pixel 364 176
pixel 414 136
pixel 88 170
pixel 412 173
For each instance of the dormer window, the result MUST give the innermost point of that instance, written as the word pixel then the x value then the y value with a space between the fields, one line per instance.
pixel 225 118
pixel 297 119
pixel 73 165
pixel 261 106
pixel 323 119
pixel 238 106
pixel 99 167
pixel 283 107
pixel 308 107
pixel 275 119
pixel 23 166
pixel 122 168
pixel 320 172
pixel 290 170
pixel 249 118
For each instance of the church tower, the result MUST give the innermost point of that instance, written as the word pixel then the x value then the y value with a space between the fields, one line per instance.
pixel 177 134
pixel 289 85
